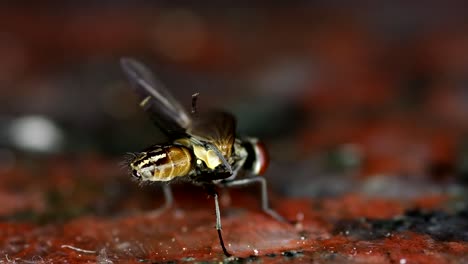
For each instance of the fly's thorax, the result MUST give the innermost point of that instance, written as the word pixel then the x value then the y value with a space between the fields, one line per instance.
pixel 202 154
pixel 224 149
pixel 257 159
pixel 208 156
pixel 162 163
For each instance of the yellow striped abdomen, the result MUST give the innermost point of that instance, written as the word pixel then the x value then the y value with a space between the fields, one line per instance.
pixel 162 163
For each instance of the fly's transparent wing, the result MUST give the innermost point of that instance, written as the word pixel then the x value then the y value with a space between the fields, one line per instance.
pixel 215 130
pixel 167 112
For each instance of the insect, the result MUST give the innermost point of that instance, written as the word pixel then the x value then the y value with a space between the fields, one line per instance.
pixel 202 148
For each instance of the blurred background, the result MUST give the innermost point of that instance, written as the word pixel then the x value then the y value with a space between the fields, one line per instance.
pixel 349 98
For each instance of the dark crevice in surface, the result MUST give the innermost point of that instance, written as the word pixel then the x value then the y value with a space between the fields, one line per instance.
pixel 440 225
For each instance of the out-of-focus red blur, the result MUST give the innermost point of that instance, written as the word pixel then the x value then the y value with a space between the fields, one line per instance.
pixel 364 110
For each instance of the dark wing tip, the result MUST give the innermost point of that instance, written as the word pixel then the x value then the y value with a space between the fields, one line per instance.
pixel 138 74
pixel 130 66
pixel 125 61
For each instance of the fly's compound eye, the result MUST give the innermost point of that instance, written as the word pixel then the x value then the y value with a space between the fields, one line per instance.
pixel 263 160
pixel 257 156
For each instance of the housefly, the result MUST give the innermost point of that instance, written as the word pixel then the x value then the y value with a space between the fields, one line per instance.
pixel 202 148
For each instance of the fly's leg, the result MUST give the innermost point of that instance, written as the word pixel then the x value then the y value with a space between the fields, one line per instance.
pixel 211 191
pixel 168 201
pixel 218 225
pixel 168 197
pixel 264 193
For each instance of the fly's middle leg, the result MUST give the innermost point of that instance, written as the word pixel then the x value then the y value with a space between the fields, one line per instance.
pixel 168 201
pixel 264 194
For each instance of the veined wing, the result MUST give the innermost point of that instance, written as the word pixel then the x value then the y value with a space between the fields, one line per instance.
pixel 165 111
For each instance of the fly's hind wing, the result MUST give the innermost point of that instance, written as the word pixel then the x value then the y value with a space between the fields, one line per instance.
pixel 163 108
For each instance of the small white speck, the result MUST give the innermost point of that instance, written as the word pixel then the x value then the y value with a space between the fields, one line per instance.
pixel 173 239
pixel 299 226
pixel 184 249
pixel 255 252
pixel 179 214
pixel 102 257
pixel 123 246
pixel 402 261
pixel 300 216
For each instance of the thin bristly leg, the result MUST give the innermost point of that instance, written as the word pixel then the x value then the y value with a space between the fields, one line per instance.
pixel 264 193
pixel 218 225
pixel 210 189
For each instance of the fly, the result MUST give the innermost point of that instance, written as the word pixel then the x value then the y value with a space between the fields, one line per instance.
pixel 202 148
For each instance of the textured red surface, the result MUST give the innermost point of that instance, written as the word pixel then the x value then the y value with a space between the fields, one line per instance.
pixel 188 235
pixel 399 98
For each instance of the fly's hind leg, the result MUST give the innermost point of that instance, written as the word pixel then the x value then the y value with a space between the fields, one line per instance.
pixel 264 194
pixel 168 201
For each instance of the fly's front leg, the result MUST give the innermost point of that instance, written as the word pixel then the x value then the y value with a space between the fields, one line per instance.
pixel 211 191
pixel 168 201
pixel 264 193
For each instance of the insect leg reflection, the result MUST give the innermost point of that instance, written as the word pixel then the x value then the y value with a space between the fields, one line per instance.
pixel 168 197
pixel 168 201
pixel 264 193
